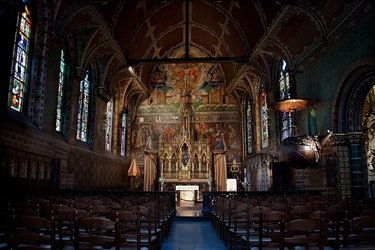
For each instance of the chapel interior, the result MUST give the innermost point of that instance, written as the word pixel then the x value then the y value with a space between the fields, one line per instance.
pixel 188 99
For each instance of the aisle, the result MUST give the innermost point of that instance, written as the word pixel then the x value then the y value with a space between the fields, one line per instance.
pixel 193 235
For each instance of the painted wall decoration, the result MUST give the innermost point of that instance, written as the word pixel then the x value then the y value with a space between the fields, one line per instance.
pixel 201 82
pixel 220 135
pixel 200 86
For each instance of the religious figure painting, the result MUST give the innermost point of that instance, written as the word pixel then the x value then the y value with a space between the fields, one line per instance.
pixel 219 135
pixel 24 168
pixel 42 169
pixel 33 169
pixel 14 166
pixel 199 83
pixel 187 101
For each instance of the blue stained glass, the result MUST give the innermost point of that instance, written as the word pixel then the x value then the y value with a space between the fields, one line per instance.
pixel 20 61
pixel 83 109
pixel 124 134
pixel 284 88
pixel 248 126
pixel 263 98
pixel 108 138
pixel 60 93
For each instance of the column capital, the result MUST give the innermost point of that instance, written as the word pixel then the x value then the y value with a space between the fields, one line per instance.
pixel 357 138
pixel 346 139
pixel 80 73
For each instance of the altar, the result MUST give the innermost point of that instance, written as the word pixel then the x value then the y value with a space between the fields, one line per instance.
pixel 187 193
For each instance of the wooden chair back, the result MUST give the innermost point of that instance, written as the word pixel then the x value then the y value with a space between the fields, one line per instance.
pixel 128 234
pixel 303 232
pixel 66 225
pixel 33 232
pixel 360 231
pixel 94 232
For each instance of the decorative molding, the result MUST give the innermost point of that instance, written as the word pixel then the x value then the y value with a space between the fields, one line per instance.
pixel 347 139
pixel 103 94
pixel 80 73
pixel 357 138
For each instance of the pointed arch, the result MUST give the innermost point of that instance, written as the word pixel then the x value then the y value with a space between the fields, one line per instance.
pixel 350 95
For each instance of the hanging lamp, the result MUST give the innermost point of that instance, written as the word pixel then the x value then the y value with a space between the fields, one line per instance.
pixel 292 105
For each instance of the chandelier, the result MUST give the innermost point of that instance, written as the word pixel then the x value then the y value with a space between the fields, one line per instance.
pixel 292 105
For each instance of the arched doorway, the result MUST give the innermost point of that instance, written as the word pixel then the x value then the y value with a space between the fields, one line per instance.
pixel 353 113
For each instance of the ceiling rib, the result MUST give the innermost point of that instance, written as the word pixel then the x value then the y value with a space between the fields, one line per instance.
pixel 186 58
pixel 239 60
pixel 275 24
pixel 187 29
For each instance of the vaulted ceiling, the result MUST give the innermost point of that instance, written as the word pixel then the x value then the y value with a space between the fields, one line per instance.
pixel 245 36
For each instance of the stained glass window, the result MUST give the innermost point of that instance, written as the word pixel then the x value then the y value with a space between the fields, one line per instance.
pixel 248 126
pixel 286 117
pixel 83 109
pixel 263 99
pixel 60 93
pixel 124 127
pixel 108 134
pixel 18 86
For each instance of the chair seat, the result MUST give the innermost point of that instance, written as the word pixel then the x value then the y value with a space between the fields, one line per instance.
pixel 130 248
pixel 251 239
pixel 301 240
pixel 144 231
pixel 143 239
pixel 241 230
pixel 41 246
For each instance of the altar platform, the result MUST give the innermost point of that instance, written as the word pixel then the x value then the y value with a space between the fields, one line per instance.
pixel 189 210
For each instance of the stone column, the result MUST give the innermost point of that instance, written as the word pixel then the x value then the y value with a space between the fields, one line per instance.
pixel 358 164
pixel 80 74
pixel 349 164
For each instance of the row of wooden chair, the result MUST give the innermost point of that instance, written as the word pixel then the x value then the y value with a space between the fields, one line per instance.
pixel 83 232
pixel 232 215
pixel 156 216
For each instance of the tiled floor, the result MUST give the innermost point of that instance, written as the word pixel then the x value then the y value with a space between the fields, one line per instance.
pixel 193 235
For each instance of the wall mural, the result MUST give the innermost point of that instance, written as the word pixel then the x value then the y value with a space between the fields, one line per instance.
pixel 200 85
pixel 186 119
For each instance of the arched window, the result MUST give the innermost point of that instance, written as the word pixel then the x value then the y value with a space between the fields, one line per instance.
pixel 124 126
pixel 284 87
pixel 108 134
pixel 18 85
pixel 60 93
pixel 83 109
pixel 263 99
pixel 249 137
